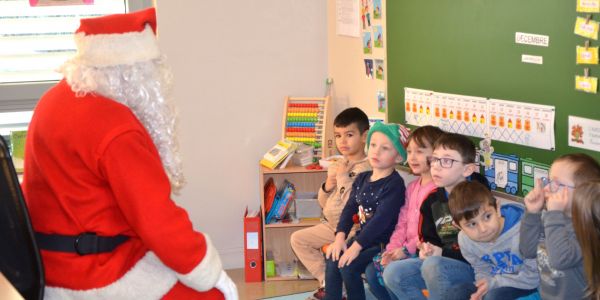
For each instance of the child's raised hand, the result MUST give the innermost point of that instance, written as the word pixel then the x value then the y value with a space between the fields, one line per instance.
pixel 482 289
pixel 534 200
pixel 349 255
pixel 331 180
pixel 558 201
pixel 337 247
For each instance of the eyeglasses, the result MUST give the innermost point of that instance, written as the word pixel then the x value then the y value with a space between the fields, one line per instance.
pixel 554 185
pixel 444 162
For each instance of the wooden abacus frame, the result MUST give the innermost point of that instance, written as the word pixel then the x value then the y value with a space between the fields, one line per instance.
pixel 323 124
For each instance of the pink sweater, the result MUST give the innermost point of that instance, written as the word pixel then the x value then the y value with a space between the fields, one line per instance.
pixel 407 228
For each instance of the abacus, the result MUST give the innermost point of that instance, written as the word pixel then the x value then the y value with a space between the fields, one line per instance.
pixel 307 120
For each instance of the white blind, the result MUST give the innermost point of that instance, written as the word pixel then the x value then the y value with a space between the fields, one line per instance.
pixel 34 41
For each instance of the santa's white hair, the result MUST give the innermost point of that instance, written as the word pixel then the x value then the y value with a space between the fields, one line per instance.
pixel 144 87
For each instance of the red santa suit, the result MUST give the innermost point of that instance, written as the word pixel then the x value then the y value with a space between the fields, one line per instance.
pixel 91 166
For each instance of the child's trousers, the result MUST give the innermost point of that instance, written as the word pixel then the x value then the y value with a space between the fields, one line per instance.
pixel 349 276
pixel 307 244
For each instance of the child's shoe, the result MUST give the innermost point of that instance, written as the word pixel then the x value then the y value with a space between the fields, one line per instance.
pixel 318 295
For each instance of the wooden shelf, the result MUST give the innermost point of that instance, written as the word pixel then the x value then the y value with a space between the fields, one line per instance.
pixel 303 223
pixel 290 169
pixel 276 237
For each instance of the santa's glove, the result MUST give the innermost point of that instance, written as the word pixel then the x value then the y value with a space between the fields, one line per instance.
pixel 227 287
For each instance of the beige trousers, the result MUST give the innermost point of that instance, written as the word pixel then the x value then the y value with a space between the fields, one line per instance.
pixel 307 244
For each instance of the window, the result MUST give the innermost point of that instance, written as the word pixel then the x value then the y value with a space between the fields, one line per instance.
pixel 34 41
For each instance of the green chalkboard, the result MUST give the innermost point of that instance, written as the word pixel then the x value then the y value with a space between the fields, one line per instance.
pixel 468 47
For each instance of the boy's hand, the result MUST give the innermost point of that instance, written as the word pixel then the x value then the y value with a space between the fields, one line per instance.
pixel 349 255
pixel 558 201
pixel 391 255
pixel 482 289
pixel 534 201
pixel 331 180
pixel 337 247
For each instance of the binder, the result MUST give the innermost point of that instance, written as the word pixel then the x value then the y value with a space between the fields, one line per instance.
pixel 253 247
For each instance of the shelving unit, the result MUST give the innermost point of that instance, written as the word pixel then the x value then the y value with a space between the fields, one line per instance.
pixel 276 236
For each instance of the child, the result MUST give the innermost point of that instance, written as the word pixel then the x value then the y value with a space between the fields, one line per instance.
pixel 586 222
pixel 350 131
pixel 403 243
pixel 489 241
pixel 440 267
pixel 376 198
pixel 548 235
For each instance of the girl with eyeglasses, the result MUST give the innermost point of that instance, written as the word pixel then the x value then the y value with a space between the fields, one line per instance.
pixel 547 232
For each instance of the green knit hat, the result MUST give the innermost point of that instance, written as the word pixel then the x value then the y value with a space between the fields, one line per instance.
pixel 397 134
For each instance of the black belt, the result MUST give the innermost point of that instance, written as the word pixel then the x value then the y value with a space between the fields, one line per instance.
pixel 83 244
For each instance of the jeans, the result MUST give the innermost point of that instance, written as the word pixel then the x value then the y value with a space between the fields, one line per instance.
pixel 507 292
pixel 443 277
pixel 350 276
pixel 378 290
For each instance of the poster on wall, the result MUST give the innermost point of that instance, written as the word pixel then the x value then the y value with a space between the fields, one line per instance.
pixel 418 105
pixel 584 133
pixel 378 36
pixel 367 43
pixel 347 21
pixel 522 123
pixel 381 103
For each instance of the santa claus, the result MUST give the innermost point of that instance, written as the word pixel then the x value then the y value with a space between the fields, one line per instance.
pixel 101 162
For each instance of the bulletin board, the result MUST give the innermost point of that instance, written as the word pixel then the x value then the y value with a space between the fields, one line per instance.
pixel 468 47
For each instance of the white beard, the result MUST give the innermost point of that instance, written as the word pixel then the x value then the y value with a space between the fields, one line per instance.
pixel 143 87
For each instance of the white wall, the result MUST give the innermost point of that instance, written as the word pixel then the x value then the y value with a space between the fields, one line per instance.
pixel 346 67
pixel 234 62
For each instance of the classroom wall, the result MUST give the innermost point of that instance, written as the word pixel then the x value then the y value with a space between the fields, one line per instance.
pixel 346 67
pixel 233 63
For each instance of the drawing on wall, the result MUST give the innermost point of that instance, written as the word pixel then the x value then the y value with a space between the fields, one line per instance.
pixel 376 9
pixel 367 43
pixel 381 103
pixel 503 175
pixel 369 68
pixel 365 14
pixel 531 171
pixel 584 133
pixel 378 36
pixel 379 69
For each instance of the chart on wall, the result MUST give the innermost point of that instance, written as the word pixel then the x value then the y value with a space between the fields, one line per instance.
pixel 508 121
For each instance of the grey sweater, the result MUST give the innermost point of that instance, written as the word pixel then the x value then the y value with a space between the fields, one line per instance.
pixel 500 261
pixel 550 238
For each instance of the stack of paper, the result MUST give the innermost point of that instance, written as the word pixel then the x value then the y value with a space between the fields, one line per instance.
pixel 278 153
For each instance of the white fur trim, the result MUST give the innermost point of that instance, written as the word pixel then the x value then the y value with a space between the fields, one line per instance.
pixel 104 50
pixel 205 275
pixel 148 279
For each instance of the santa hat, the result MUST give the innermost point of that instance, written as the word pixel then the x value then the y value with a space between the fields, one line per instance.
pixel 119 39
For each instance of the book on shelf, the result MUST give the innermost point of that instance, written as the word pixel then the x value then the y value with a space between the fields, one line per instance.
pixel 283 199
pixel 278 153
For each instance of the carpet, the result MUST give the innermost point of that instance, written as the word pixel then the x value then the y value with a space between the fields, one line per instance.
pixel 301 296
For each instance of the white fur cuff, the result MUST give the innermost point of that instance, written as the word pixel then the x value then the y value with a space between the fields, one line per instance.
pixel 104 50
pixel 205 275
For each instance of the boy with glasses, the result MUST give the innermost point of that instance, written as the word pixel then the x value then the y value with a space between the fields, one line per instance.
pixel 440 267
pixel 547 232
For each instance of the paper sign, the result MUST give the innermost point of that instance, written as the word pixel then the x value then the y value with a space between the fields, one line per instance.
pixel 532 39
pixel 588 6
pixel 347 22
pixel 586 84
pixel 587 55
pixel 584 133
pixel 532 59
pixel 252 240
pixel 586 28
